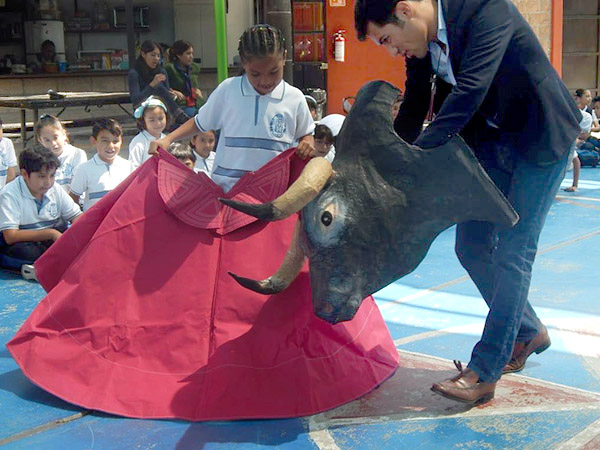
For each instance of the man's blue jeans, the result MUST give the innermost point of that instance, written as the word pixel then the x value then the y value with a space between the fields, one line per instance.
pixel 499 260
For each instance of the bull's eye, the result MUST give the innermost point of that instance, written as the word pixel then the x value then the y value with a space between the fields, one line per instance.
pixel 326 218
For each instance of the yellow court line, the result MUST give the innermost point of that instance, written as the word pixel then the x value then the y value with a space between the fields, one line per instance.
pixel 571 197
pixel 573 202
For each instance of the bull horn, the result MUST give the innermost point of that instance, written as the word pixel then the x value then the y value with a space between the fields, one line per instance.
pixel 308 185
pixel 287 272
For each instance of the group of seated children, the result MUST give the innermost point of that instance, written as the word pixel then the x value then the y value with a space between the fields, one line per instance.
pixel 152 117
pixel 56 178
pixel 57 181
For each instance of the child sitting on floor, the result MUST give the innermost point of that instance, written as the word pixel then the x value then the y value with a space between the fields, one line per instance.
pixel 50 132
pixel 204 145
pixel 101 174
pixel 183 153
pixel 34 211
pixel 152 118
pixel 324 142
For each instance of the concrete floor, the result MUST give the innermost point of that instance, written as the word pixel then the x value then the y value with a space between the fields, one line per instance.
pixel 435 315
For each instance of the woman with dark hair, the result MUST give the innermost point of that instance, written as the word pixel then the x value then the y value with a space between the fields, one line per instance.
pixel 183 77
pixel 147 77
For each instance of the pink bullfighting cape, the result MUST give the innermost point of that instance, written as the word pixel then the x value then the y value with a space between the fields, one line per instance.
pixel 142 320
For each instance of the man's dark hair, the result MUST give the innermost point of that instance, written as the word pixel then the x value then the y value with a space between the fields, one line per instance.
pixel 110 125
pixel 37 158
pixel 182 151
pixel 594 100
pixel 323 132
pixel 380 12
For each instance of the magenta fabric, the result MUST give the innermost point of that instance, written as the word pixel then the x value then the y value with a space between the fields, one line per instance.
pixel 142 320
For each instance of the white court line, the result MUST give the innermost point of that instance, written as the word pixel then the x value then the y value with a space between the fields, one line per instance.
pixel 321 436
pixel 427 291
pixel 579 440
pixel 573 197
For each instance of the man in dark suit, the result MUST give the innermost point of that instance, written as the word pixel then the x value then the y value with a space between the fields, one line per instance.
pixel 480 67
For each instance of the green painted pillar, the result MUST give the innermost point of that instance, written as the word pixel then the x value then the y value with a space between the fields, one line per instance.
pixel 221 38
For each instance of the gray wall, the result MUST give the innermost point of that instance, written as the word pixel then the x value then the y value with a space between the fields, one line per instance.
pixel 161 26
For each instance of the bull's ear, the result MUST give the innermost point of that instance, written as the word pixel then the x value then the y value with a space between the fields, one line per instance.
pixel 448 178
pixel 369 122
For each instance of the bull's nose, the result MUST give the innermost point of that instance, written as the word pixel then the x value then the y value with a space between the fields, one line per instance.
pixel 326 308
pixel 329 313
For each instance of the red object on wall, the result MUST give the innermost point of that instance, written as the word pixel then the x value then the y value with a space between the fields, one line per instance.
pixel 364 61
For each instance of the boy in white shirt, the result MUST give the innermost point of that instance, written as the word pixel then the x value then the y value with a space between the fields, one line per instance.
pixel 34 211
pixel 101 174
pixel 8 160
pixel 203 144
pixel 324 141
pixel 184 153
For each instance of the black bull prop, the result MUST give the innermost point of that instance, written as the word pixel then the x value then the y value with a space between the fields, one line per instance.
pixel 372 219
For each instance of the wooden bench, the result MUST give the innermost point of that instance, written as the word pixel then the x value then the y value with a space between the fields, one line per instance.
pixel 66 100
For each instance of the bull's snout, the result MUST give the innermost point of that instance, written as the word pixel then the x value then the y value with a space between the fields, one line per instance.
pixel 332 313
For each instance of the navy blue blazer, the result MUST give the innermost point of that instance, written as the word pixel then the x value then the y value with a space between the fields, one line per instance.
pixel 505 85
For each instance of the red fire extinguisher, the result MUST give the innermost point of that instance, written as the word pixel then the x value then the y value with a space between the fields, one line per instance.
pixel 339 45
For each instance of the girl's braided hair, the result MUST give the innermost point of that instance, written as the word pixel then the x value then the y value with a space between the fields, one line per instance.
pixel 259 41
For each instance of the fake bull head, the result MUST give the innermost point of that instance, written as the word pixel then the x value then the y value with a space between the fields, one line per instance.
pixel 373 220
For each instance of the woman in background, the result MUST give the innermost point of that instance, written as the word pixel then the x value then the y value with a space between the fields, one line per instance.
pixel 147 77
pixel 182 74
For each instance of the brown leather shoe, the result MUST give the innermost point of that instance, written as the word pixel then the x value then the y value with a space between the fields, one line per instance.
pixel 465 387
pixel 522 351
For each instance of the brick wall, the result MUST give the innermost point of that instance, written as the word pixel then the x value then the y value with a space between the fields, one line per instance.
pixel 539 15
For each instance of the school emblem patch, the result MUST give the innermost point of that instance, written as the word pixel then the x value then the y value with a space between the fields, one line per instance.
pixel 53 210
pixel 67 170
pixel 277 125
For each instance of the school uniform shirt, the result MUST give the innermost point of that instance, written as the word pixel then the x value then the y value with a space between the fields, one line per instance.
pixel 330 156
pixel 586 121
pixel 97 178
pixel 21 210
pixel 7 158
pixel 138 148
pixel 71 158
pixel 204 164
pixel 440 51
pixel 254 128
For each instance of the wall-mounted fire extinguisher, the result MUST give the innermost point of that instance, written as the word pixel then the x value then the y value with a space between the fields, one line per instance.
pixel 339 45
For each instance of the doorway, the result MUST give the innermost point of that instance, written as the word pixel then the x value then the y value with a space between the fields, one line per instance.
pixel 581 45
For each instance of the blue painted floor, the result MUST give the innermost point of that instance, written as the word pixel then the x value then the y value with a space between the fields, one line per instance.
pixel 435 315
